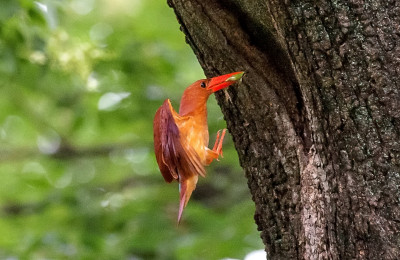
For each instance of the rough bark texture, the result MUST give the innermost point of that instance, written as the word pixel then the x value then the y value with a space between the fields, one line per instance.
pixel 316 121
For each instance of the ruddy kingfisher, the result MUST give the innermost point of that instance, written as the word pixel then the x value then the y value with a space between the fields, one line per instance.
pixel 181 139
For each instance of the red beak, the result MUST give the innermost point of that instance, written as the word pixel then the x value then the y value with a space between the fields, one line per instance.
pixel 224 81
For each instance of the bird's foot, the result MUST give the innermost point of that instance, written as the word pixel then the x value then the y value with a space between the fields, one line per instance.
pixel 218 142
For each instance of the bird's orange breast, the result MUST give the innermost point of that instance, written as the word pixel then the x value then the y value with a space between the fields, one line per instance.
pixel 196 136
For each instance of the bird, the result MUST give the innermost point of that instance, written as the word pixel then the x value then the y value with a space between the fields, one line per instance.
pixel 181 139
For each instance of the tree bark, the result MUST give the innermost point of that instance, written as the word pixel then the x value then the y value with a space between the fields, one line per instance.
pixel 316 120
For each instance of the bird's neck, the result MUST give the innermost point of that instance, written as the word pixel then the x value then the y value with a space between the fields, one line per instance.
pixel 197 109
pixel 192 105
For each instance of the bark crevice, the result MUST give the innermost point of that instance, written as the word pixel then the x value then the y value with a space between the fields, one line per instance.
pixel 316 121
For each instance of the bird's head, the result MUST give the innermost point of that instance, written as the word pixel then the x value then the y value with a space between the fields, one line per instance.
pixel 208 86
pixel 198 93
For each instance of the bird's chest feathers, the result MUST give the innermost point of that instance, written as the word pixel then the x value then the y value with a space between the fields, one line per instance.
pixel 196 136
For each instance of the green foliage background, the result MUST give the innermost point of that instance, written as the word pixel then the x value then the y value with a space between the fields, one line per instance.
pixel 80 82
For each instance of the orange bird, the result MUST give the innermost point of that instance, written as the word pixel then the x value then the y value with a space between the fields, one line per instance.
pixel 181 139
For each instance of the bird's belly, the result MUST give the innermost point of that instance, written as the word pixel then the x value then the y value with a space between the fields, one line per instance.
pixel 196 141
pixel 196 137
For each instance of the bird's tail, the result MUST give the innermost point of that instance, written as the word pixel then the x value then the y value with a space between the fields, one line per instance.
pixel 186 188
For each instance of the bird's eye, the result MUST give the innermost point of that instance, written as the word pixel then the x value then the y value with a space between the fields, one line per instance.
pixel 203 84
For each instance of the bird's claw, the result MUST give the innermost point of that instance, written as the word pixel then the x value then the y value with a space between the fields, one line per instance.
pixel 218 143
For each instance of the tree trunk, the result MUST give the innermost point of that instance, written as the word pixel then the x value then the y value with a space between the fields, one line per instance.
pixel 316 120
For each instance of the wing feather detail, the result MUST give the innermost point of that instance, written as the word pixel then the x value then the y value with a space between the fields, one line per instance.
pixel 175 159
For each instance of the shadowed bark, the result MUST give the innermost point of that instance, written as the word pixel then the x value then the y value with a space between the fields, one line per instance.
pixel 316 121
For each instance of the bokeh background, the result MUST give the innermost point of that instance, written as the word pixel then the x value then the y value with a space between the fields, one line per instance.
pixel 80 81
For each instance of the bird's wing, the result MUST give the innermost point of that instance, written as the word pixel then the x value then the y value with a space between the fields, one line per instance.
pixel 174 157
